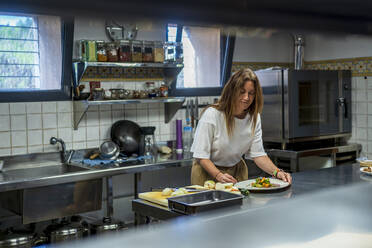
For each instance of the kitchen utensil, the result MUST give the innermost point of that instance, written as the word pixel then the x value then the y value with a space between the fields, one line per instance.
pixel 109 150
pixel 58 232
pixel 196 114
pixel 19 240
pixel 127 134
pixel 188 113
pixel 107 225
pixel 192 112
pixel 179 136
pixel 202 201
pixel 148 139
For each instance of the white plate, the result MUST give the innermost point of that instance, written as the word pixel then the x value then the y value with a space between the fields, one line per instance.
pixel 365 172
pixel 279 184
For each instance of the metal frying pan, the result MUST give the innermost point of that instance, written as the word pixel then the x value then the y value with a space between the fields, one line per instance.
pixel 127 134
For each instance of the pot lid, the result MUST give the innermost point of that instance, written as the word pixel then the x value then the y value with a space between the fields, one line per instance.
pixel 15 239
pixel 64 229
pixel 67 230
pixel 107 224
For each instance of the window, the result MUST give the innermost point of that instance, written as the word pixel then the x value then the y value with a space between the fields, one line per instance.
pixel 204 51
pixel 34 49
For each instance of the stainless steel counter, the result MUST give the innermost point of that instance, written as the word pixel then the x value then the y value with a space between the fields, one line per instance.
pixel 325 208
pixel 30 174
pixel 303 183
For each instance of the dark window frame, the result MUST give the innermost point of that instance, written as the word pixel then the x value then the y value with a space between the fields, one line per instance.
pixel 63 94
pixel 227 51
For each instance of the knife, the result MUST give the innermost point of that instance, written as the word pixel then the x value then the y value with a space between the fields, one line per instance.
pixel 192 113
pixel 188 113
pixel 196 116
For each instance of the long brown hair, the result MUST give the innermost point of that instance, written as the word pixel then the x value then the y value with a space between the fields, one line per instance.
pixel 231 91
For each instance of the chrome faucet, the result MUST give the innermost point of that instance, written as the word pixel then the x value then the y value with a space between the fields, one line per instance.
pixel 65 155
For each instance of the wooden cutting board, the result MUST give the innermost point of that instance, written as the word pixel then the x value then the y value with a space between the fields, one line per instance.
pixel 154 197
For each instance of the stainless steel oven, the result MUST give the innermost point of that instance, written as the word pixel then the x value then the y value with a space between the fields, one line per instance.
pixel 302 105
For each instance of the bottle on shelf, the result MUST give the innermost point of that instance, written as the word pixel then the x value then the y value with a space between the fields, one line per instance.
pixel 187 138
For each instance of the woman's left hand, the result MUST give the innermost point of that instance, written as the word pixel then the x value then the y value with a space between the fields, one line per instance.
pixel 286 177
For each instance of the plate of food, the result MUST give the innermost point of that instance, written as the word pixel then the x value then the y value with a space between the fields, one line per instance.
pixel 366 170
pixel 262 184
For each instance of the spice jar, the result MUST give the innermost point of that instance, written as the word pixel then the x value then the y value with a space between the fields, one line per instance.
pixel 98 94
pixel 124 51
pixel 151 89
pixel 91 50
pixel 135 94
pixel 136 51
pixel 170 48
pixel 179 52
pixel 101 51
pixel 158 52
pixel 148 55
pixel 115 94
pixel 112 52
pixel 80 50
pixel 143 94
pixel 163 90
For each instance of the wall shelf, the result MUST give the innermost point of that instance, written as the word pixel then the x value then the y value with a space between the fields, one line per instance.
pixel 171 105
pixel 109 71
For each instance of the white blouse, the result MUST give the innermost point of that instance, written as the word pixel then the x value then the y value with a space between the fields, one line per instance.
pixel 211 140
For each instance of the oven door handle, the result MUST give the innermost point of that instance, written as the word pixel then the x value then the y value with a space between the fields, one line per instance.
pixel 345 109
pixel 341 102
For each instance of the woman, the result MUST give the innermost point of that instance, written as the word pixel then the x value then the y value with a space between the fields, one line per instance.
pixel 229 129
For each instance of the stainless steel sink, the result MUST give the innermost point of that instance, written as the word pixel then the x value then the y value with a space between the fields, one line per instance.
pixel 50 201
pixel 43 171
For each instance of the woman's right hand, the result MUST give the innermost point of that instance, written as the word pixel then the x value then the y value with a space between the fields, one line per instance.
pixel 225 178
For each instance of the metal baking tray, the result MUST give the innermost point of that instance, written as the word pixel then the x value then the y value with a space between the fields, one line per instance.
pixel 203 201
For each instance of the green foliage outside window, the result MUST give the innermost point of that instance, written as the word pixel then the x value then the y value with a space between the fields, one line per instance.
pixel 19 52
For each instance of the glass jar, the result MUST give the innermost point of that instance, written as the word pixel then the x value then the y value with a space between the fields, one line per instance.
pixel 124 51
pixel 163 90
pixel 115 94
pixel 98 94
pixel 80 50
pixel 179 52
pixel 101 51
pixel 91 50
pixel 158 52
pixel 170 53
pixel 112 52
pixel 148 51
pixel 151 90
pixel 143 94
pixel 136 51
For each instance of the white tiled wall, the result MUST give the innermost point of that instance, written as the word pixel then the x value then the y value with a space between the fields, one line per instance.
pixel 362 113
pixel 27 127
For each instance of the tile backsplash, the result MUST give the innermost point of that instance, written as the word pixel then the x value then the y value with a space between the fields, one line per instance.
pixel 27 127
pixel 362 113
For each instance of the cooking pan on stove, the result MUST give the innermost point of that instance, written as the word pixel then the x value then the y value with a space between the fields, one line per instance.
pixel 127 134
